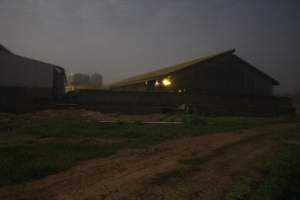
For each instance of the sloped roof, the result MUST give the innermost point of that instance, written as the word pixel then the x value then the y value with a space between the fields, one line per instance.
pixel 167 70
pixel 57 68
pixel 4 49
pixel 274 82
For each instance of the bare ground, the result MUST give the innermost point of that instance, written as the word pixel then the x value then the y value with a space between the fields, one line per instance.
pixel 131 174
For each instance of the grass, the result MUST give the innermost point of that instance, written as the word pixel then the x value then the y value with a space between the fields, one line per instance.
pixel 281 179
pixel 21 163
pixel 195 162
pixel 242 188
pixel 165 177
pixel 193 125
pixel 33 160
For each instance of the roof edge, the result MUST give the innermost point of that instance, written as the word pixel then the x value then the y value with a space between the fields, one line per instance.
pixel 274 81
pixel 4 49
pixel 188 63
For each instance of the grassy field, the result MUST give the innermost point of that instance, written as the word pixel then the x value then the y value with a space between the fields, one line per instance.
pixel 280 179
pixel 53 144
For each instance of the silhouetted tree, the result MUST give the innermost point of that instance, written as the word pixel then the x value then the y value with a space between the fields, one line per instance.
pixel 96 80
pixel 86 81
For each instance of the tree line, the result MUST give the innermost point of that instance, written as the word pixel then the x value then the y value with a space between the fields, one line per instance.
pixel 80 80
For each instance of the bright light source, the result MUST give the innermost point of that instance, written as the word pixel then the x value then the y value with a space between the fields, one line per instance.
pixel 166 82
pixel 156 83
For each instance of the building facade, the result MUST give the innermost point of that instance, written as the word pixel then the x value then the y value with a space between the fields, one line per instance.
pixel 221 74
pixel 24 81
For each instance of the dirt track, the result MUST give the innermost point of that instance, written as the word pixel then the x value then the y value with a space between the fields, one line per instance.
pixel 130 175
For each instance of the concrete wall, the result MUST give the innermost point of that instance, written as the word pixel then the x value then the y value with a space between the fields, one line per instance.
pixel 149 102
pixel 16 71
pixel 14 99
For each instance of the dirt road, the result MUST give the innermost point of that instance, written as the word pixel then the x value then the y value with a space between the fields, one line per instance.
pixel 190 168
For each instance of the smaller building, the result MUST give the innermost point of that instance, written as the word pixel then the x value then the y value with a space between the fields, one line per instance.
pixel 221 74
pixel 24 81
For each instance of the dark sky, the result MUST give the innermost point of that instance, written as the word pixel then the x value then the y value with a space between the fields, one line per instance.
pixel 120 38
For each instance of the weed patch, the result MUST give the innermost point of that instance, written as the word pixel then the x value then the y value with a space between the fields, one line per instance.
pixel 280 181
pixel 241 188
pixel 195 162
pixel 165 177
pixel 25 162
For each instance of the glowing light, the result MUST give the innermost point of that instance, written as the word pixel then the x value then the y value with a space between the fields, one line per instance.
pixel 167 82
pixel 156 83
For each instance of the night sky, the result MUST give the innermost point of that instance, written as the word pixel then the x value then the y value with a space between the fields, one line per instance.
pixel 120 38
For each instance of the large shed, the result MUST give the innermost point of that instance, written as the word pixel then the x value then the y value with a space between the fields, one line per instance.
pixel 27 80
pixel 220 74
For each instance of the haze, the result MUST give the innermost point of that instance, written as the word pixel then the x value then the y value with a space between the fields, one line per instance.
pixel 120 38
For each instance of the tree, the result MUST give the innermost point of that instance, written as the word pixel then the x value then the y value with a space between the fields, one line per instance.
pixel 79 80
pixel 96 80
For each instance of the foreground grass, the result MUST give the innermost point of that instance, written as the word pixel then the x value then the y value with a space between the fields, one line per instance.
pixel 142 133
pixel 164 177
pixel 33 160
pixel 281 179
pixel 24 162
